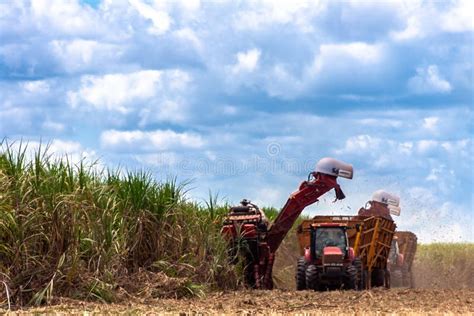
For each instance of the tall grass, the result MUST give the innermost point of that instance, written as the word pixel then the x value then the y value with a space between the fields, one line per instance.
pixel 444 265
pixel 73 229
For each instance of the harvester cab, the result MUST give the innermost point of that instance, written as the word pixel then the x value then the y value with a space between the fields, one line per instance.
pixel 329 261
pixel 248 234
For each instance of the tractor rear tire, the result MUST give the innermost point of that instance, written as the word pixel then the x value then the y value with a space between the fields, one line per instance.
pixel 301 274
pixel 312 277
pixel 249 276
pixel 350 278
pixel 360 274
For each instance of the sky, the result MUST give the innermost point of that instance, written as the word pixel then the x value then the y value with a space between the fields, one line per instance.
pixel 242 98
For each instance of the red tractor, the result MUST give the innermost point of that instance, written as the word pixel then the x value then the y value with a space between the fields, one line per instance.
pixel 249 235
pixel 329 262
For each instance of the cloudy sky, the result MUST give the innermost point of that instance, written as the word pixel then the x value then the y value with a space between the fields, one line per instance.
pixel 244 97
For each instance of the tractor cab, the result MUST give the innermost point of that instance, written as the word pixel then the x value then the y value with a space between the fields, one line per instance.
pixel 329 261
pixel 329 243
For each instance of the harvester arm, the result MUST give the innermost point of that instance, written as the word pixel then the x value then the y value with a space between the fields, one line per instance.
pixel 307 194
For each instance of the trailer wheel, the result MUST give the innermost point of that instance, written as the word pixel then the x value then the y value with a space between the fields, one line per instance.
pixel 378 277
pixel 387 279
pixel 301 274
pixel 396 278
pixel 350 278
pixel 312 277
pixel 407 277
pixel 360 274
pixel 365 279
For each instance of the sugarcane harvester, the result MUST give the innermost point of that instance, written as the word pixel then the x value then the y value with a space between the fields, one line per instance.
pixel 252 238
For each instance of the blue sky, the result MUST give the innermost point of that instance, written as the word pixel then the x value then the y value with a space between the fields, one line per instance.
pixel 245 97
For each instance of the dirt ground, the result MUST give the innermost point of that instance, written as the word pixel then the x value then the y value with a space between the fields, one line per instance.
pixel 379 301
pixel 443 285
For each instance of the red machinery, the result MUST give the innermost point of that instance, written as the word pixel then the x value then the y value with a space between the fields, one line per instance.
pixel 250 236
pixel 329 261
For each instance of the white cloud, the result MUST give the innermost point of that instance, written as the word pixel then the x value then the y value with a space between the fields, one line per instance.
pixel 412 30
pixel 279 82
pixel 247 61
pixel 405 147
pixel 54 126
pixel 115 91
pixel 63 17
pixel 124 92
pixel 78 55
pixel 431 123
pixel 381 153
pixel 460 147
pixel 57 149
pixel 266 13
pixel 429 80
pixel 168 110
pixel 426 145
pixel 149 141
pixel 359 52
pixel 61 147
pixel 458 18
pixel 189 35
pixel 330 65
pixel 436 172
pixel 36 87
pixel 361 143
pixel 161 21
pixel 435 166
pixel 432 18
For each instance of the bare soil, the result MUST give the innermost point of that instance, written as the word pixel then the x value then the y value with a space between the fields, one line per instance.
pixel 378 301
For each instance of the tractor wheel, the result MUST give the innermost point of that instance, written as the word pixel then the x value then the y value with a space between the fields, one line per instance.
pixel 360 274
pixel 378 277
pixel 249 276
pixel 396 278
pixel 312 277
pixel 350 278
pixel 301 274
